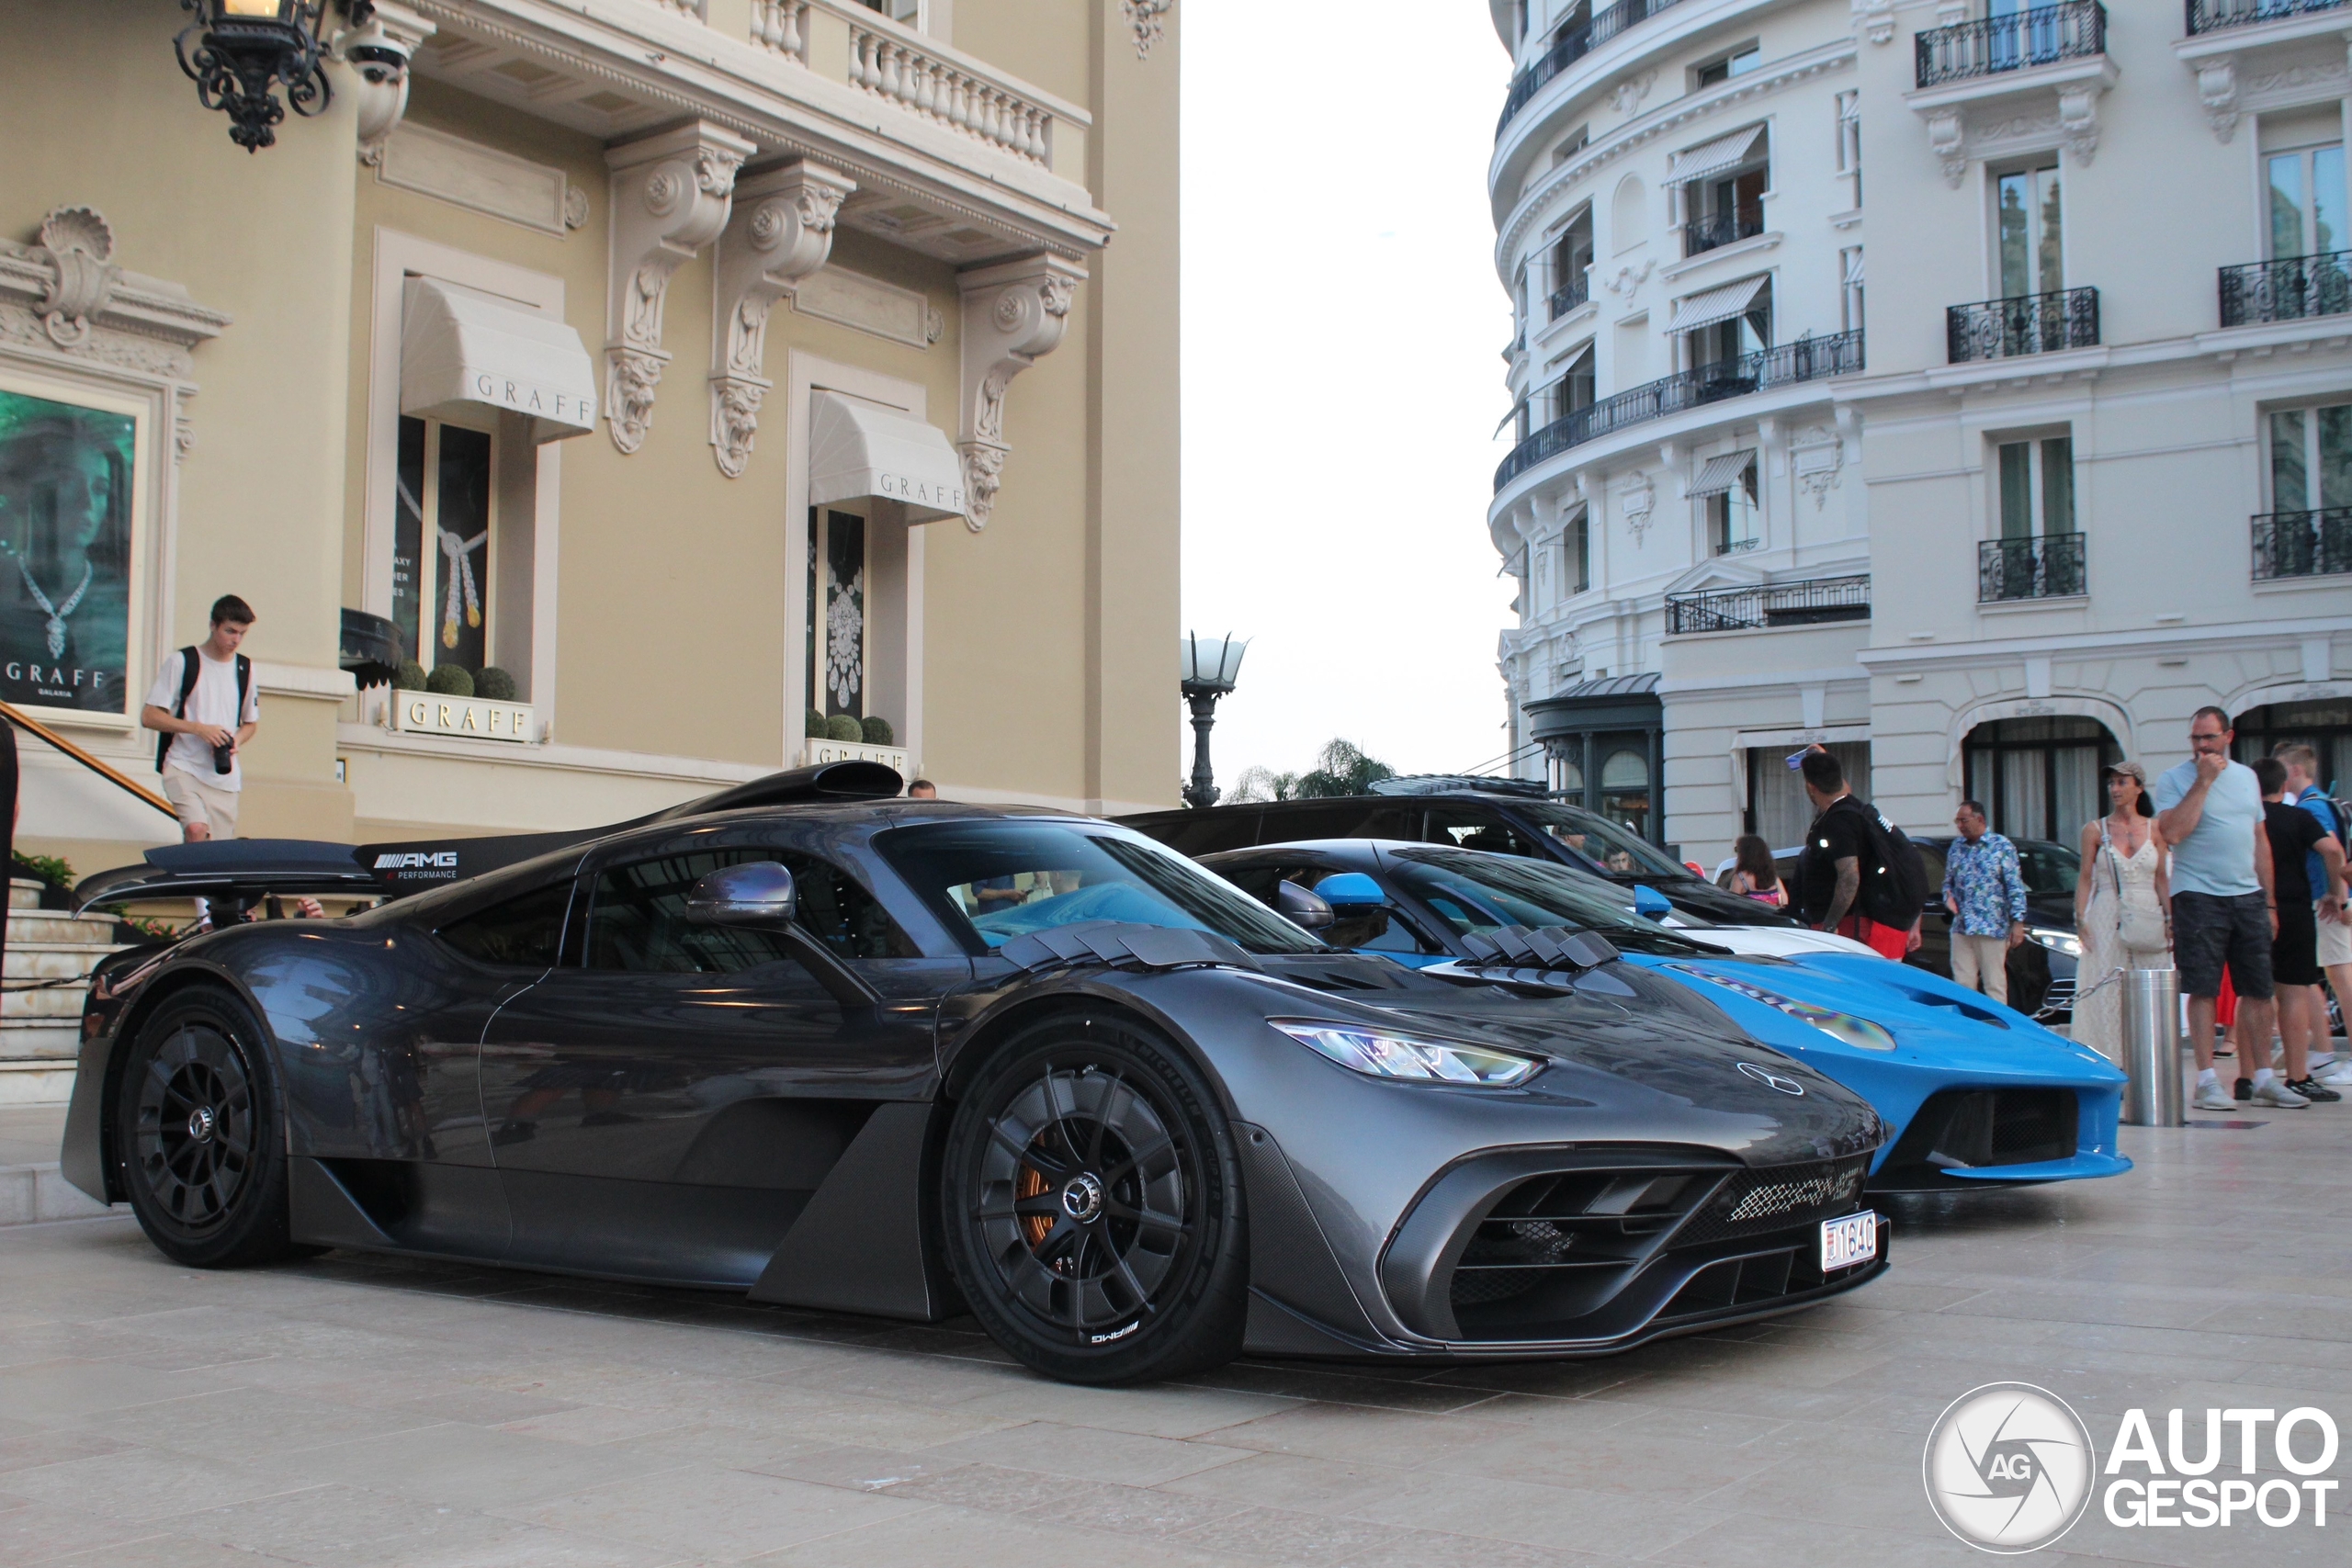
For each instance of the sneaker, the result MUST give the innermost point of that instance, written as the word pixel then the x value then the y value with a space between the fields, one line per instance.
pixel 2245 1089
pixel 2214 1097
pixel 2314 1090
pixel 2280 1097
pixel 2336 1072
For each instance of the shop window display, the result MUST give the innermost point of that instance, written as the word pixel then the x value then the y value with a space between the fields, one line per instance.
pixel 66 489
pixel 442 544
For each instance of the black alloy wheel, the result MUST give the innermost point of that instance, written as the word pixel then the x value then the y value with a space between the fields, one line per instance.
pixel 1093 1206
pixel 198 1138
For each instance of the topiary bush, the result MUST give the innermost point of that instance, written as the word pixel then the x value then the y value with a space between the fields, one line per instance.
pixel 815 729
pixel 451 681
pixel 841 726
pixel 411 677
pixel 878 731
pixel 495 684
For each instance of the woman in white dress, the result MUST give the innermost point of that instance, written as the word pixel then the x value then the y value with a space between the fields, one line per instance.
pixel 2122 908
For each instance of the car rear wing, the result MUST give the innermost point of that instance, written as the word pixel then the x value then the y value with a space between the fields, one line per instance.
pixel 248 869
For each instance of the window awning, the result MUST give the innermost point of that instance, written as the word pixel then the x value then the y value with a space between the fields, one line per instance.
pixel 461 349
pixel 1716 304
pixel 1714 157
pixel 1720 473
pixel 858 449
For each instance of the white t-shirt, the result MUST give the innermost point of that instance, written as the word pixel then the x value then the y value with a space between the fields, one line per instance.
pixel 214 701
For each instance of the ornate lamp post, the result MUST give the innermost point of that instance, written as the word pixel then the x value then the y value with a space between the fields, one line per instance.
pixel 1210 665
pixel 236 50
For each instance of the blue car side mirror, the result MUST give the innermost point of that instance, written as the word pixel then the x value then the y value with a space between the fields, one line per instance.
pixel 1650 903
pixel 1352 894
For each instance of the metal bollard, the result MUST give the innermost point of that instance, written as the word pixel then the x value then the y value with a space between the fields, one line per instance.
pixel 2151 1047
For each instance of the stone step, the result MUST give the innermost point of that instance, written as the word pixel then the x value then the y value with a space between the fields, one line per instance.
pixel 51 1003
pixel 31 1193
pixel 52 960
pixel 36 1083
pixel 46 1040
pixel 24 893
pixel 57 925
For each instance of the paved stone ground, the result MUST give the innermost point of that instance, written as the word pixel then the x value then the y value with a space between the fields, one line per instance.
pixel 360 1412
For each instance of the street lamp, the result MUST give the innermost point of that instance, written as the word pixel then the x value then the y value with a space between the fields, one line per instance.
pixel 1210 665
pixel 236 50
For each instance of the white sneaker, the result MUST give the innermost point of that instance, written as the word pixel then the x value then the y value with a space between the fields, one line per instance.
pixel 2214 1096
pixel 2335 1075
pixel 2278 1096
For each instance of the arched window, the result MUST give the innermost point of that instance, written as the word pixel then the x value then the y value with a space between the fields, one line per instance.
pixel 2038 777
pixel 1625 787
pixel 1628 224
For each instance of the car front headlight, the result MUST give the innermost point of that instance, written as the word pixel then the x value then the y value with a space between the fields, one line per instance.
pixel 2055 940
pixel 1859 1032
pixel 1380 1055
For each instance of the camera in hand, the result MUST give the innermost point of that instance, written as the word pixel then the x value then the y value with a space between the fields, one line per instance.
pixel 224 758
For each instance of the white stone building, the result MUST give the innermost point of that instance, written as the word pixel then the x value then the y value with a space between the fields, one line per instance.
pixel 2090 467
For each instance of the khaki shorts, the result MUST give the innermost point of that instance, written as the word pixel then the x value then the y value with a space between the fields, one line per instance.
pixel 2335 939
pixel 197 801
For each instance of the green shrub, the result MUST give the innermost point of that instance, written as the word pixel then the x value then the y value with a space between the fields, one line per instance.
pixel 46 868
pixel 815 729
pixel 451 681
pixel 841 726
pixel 495 684
pixel 878 731
pixel 410 677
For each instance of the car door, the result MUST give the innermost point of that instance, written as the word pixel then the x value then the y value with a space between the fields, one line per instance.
pixel 663 1103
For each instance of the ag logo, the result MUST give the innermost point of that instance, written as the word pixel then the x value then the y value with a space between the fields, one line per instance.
pixel 2008 1468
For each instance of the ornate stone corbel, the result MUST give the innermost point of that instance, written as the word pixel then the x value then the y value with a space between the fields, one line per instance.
pixel 78 248
pixel 1948 139
pixel 781 231
pixel 2217 89
pixel 2078 118
pixel 378 55
pixel 1149 18
pixel 1015 314
pixel 671 195
pixel 1877 20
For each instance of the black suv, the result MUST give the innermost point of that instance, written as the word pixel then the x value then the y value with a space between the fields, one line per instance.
pixel 1473 814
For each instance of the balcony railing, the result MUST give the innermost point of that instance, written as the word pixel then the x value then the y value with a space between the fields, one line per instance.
pixel 2212 15
pixel 2302 544
pixel 2027 324
pixel 1572 45
pixel 1571 294
pixel 2292 289
pixel 1806 359
pixel 1809 604
pixel 2048 568
pixel 2073 29
pixel 1718 229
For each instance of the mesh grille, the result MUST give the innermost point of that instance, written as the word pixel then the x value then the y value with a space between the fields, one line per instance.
pixel 1758 1201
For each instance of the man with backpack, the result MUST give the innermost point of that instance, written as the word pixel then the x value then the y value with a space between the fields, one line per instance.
pixel 204 709
pixel 2332 925
pixel 1858 876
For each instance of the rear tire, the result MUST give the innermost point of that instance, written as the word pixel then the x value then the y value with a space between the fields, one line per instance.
pixel 200 1136
pixel 1091 1195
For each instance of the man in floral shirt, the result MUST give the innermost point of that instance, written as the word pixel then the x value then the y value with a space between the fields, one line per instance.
pixel 1986 893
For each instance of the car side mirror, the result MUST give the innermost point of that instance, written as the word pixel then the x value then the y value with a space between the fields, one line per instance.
pixel 1303 907
pixel 1650 903
pixel 1352 894
pixel 757 892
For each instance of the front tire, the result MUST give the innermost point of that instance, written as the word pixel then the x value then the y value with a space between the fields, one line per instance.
pixel 198 1136
pixel 1091 1200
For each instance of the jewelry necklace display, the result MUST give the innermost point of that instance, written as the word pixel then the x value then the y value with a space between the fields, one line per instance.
pixel 460 570
pixel 57 613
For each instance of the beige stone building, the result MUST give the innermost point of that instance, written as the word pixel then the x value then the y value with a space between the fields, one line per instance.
pixel 696 362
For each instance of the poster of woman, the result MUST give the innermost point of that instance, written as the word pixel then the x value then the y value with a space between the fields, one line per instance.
pixel 66 478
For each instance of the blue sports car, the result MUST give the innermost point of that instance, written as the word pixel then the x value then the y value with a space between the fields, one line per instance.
pixel 1979 1095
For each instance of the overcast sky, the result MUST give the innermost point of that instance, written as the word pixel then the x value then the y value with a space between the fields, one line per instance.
pixel 1342 332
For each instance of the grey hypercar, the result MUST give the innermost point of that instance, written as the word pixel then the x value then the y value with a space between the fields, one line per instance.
pixel 914 1058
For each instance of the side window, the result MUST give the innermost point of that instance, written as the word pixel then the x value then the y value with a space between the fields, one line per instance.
pixel 524 933
pixel 1476 831
pixel 637 918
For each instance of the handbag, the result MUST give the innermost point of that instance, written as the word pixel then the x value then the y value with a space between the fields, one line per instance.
pixel 2139 927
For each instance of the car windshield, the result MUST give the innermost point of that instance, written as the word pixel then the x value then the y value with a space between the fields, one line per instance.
pixel 2048 867
pixel 1606 846
pixel 1474 892
pixel 993 881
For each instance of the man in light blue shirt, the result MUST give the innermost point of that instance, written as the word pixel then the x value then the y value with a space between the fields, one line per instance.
pixel 2223 911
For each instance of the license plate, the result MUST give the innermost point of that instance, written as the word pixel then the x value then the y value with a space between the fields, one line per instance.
pixel 1846 1242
